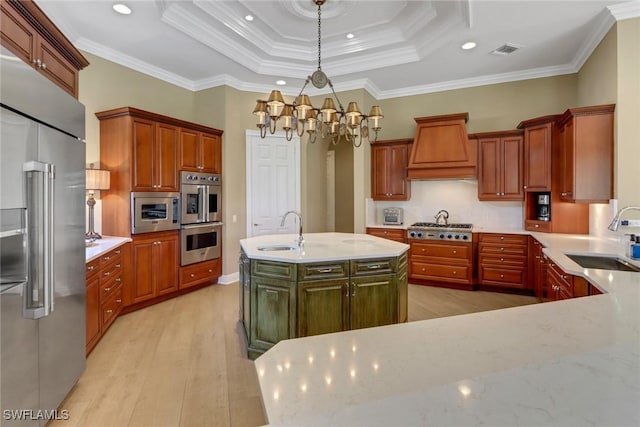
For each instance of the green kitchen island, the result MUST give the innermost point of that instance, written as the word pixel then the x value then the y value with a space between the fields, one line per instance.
pixel 335 282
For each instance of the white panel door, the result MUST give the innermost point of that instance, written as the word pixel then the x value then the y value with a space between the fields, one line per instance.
pixel 273 183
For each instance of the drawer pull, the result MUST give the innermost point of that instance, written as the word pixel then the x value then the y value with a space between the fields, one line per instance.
pixel 90 268
pixel 119 279
pixel 118 266
pixel 501 249
pixel 501 237
pixel 107 289
pixel 455 272
pixel 118 252
pixel 502 276
pixel 537 226
pixel 193 275
pixel 455 252
pixel 210 271
pixel 372 267
pixel 501 259
pixel 107 273
pixel 423 249
pixel 423 269
pixel 109 311
pixel 324 270
pixel 118 301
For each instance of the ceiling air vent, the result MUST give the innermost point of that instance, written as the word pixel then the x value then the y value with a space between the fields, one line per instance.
pixel 506 49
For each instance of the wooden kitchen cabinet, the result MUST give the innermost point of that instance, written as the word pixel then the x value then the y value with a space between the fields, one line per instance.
pixel 441 263
pixel 537 269
pixel 27 32
pixel 142 151
pixel 201 272
pixel 323 306
pixel 500 164
pixel 502 261
pixel 156 260
pixel 395 234
pixel 389 161
pixel 107 278
pixel 155 155
pixel 200 151
pixel 586 154
pixel 559 283
pixel 537 137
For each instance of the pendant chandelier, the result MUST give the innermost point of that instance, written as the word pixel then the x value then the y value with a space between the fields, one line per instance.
pixel 328 121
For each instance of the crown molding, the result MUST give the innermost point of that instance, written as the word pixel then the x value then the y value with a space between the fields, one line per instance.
pixel 626 10
pixel 602 27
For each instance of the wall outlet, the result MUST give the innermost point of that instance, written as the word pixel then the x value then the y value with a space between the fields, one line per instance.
pixel 234 218
pixel 630 222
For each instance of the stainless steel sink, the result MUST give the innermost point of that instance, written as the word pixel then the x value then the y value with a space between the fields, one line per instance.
pixel 278 248
pixel 603 262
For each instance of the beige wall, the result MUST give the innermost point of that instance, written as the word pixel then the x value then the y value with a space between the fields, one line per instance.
pixel 627 182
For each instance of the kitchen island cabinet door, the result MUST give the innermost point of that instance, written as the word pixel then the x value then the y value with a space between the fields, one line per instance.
pixel 372 301
pixel 323 307
pixel 273 313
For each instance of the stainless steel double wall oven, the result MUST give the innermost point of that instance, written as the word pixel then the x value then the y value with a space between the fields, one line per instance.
pixel 201 216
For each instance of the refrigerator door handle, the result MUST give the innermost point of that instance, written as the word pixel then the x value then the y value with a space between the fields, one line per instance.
pixel 39 293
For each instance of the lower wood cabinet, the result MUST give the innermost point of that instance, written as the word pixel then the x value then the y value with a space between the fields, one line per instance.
pixel 503 261
pixel 441 263
pixel 537 269
pixel 201 272
pixel 296 300
pixel 559 283
pixel 107 277
pixel 395 234
pixel 156 260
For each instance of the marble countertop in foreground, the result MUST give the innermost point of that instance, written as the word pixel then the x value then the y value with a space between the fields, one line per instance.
pixel 571 362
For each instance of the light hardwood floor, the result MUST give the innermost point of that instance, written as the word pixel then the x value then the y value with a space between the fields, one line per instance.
pixel 181 362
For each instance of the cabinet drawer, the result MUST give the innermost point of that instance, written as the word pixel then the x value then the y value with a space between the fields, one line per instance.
pixel 504 249
pixel 273 269
pixel 372 266
pixel 112 270
pixel 534 225
pixel 324 270
pixel 111 257
pixel 109 287
pixel 442 272
pixel 111 308
pixel 506 239
pixel 501 276
pixel 92 268
pixel 441 250
pixel 513 261
pixel 397 234
pixel 202 272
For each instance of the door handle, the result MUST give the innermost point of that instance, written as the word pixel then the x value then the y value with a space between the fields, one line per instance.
pixel 39 215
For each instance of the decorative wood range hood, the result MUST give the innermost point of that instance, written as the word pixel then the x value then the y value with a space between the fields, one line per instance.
pixel 442 149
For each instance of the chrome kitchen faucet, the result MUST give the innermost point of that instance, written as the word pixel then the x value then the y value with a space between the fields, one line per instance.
pixel 300 238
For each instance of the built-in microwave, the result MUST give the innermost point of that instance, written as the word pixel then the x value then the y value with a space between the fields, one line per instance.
pixel 151 211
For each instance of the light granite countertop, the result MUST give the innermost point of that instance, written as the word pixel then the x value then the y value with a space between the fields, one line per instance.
pixel 320 247
pixel 570 362
pixel 101 246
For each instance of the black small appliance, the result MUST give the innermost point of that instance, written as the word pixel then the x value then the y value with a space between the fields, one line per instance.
pixel 544 207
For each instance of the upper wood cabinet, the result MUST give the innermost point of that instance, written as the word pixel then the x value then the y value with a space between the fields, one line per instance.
pixel 143 151
pixel 500 165
pixel 155 155
pixel 441 148
pixel 586 154
pixel 389 170
pixel 200 151
pixel 538 134
pixel 27 32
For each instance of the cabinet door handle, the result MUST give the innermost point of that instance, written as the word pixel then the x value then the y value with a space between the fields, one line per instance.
pixel 502 276
pixel 118 301
pixel 43 66
pixel 109 311
pixel 353 287
pixel 455 272
pixel 118 252
pixel 210 271
pixel 107 273
pixel 346 287
pixel 455 252
pixel 501 237
pixel 106 258
pixel 90 268
pixel 118 266
pixel 193 275
pixel 501 259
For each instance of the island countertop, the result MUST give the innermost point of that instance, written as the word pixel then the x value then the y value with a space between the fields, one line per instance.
pixel 569 362
pixel 320 247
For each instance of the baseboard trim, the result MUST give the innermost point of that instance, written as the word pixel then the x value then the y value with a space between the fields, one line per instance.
pixel 228 279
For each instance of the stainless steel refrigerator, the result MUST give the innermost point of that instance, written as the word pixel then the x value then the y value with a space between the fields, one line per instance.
pixel 42 249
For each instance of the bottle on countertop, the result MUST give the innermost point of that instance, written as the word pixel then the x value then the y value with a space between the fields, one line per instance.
pixel 632 241
pixel 635 249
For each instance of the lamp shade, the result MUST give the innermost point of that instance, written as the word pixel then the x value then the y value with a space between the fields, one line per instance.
pixel 97 179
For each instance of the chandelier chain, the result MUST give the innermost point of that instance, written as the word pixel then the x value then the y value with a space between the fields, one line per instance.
pixel 319 36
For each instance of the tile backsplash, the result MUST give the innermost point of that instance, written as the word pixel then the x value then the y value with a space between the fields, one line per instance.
pixel 459 198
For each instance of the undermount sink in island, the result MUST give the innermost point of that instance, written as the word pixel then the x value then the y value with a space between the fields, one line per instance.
pixel 332 283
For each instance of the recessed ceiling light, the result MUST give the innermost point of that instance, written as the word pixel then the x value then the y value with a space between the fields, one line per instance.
pixel 468 45
pixel 248 18
pixel 122 8
pixel 281 83
pixel 350 35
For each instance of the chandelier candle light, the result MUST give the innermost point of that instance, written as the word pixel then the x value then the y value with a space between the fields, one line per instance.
pixel 301 116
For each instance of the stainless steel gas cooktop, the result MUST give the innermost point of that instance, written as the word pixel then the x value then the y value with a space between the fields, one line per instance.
pixel 434 231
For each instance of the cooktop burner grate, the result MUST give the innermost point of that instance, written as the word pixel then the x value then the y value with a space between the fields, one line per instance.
pixel 434 225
